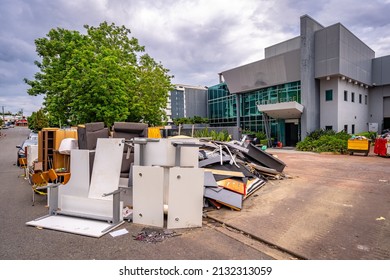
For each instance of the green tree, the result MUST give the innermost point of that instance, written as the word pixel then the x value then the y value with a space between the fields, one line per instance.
pixel 103 75
pixel 38 120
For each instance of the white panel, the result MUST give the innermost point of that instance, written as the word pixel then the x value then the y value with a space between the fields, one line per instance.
pixel 148 194
pixel 78 184
pixel 163 153
pixel 90 228
pixel 185 197
pixel 32 154
pixel 87 206
pixel 106 167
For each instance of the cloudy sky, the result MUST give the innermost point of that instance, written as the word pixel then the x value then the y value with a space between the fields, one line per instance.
pixel 195 39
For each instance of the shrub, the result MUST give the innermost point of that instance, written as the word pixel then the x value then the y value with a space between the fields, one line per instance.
pixel 214 135
pixel 316 134
pixel 325 141
pixel 368 134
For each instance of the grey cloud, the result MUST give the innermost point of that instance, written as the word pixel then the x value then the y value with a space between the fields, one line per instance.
pixel 194 52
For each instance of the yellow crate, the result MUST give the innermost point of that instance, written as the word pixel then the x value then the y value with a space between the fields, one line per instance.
pixel 154 132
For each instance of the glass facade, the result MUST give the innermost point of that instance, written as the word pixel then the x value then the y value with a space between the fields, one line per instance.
pixel 223 112
pixel 177 104
pixel 222 107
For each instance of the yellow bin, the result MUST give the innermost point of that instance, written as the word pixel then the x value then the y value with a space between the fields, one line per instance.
pixel 359 146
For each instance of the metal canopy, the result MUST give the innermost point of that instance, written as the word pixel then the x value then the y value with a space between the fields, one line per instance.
pixel 284 110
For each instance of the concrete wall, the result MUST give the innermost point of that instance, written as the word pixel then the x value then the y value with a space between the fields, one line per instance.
pixel 352 112
pixel 310 94
pixel 329 109
pixel 338 112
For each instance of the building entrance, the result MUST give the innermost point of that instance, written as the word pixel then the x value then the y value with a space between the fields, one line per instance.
pixel 291 134
pixel 386 123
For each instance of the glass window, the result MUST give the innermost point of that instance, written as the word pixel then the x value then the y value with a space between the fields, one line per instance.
pixel 328 127
pixel 352 96
pixel 329 95
pixel 360 98
pixel 345 95
pixel 346 128
pixel 365 99
pixel 353 129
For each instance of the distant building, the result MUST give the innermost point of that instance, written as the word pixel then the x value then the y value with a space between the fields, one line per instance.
pixel 324 78
pixel 21 121
pixel 187 101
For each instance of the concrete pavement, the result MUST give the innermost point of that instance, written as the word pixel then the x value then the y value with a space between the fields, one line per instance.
pixel 333 207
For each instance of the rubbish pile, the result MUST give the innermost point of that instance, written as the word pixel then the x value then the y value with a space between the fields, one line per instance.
pixel 166 182
pixel 234 171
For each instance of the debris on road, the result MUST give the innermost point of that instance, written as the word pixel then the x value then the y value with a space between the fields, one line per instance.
pixel 154 235
pixel 235 171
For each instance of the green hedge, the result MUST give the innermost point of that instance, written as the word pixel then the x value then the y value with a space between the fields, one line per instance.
pixel 325 141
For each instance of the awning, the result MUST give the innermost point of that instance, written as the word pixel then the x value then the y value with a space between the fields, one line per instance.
pixel 283 110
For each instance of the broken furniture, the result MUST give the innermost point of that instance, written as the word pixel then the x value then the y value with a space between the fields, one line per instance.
pixel 49 141
pixel 235 171
pixel 87 136
pixel 128 131
pixel 88 205
pixel 166 179
pixel 44 180
pixel 89 133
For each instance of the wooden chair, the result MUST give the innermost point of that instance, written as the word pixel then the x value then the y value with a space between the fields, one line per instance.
pixel 43 180
pixel 23 164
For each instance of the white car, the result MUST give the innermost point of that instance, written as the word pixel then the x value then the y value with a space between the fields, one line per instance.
pixel 33 136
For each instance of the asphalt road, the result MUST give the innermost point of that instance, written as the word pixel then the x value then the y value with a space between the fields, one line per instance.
pixel 21 242
pixel 334 207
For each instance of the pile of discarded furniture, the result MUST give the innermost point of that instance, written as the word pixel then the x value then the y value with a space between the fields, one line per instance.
pixel 159 182
pixel 235 170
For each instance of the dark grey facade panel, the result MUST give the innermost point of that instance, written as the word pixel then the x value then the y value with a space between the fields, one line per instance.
pixel 340 52
pixel 386 107
pixel 196 102
pixel 283 47
pixel 280 69
pixel 381 71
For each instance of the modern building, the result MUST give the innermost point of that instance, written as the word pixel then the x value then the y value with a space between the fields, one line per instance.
pixel 187 101
pixel 324 78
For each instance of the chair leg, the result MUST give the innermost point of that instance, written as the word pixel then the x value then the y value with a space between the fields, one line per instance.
pixel 33 196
